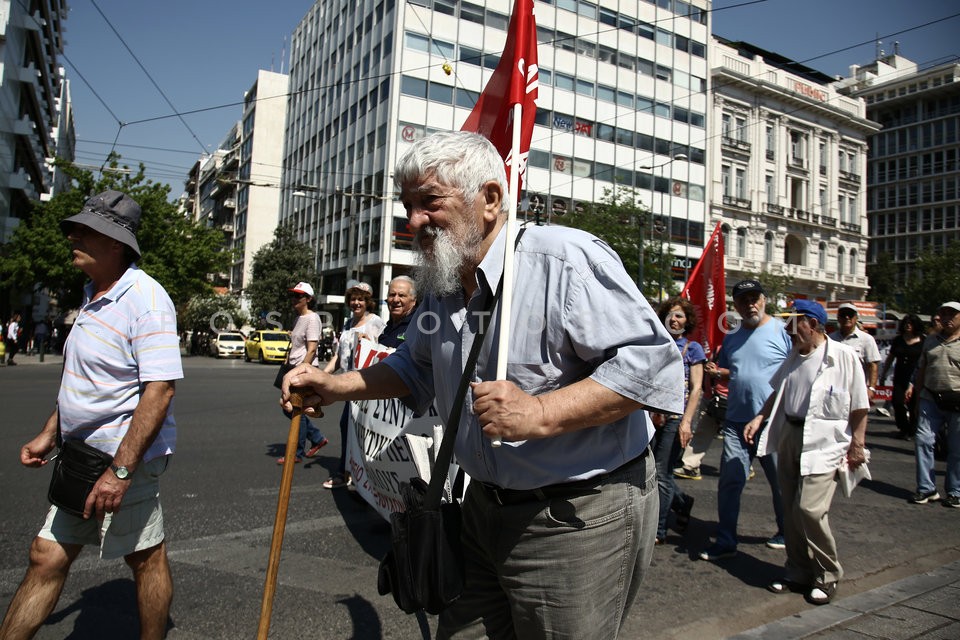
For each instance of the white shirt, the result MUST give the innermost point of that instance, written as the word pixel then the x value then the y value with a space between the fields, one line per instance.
pixel 838 390
pixel 861 342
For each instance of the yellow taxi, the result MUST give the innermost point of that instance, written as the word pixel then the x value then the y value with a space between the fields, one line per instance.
pixel 267 345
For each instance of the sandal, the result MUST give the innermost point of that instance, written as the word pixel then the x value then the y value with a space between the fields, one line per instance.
pixel 822 593
pixel 784 586
pixel 335 482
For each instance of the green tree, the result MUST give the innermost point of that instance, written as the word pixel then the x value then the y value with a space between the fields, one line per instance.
pixel 882 277
pixel 620 221
pixel 277 266
pixel 213 312
pixel 176 251
pixel 934 280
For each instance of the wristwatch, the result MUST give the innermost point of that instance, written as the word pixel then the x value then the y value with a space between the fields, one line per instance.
pixel 122 473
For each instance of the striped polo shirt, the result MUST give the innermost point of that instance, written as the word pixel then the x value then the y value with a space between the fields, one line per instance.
pixel 120 341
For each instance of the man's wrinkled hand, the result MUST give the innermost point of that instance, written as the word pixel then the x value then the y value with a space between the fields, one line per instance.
pixel 34 453
pixel 311 383
pixel 752 428
pixel 106 495
pixel 855 455
pixel 506 412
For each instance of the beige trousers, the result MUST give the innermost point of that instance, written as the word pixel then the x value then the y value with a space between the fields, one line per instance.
pixel 811 548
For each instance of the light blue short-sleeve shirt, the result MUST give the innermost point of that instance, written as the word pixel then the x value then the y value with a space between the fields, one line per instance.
pixel 121 340
pixel 753 356
pixel 576 314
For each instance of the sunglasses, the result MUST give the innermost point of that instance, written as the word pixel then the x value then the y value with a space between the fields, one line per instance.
pixel 846 314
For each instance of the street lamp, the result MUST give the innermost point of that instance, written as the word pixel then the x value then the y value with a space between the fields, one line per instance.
pixel 658 225
pixel 659 228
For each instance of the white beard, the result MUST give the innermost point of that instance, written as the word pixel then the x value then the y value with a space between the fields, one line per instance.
pixel 438 273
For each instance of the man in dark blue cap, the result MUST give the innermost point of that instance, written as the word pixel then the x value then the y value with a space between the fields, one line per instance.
pixel 121 361
pixel 817 417
pixel 748 358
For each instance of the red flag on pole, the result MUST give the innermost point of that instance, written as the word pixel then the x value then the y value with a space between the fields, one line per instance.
pixel 514 81
pixel 706 290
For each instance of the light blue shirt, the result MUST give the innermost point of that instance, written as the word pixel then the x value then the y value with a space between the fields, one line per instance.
pixel 753 356
pixel 576 314
pixel 121 340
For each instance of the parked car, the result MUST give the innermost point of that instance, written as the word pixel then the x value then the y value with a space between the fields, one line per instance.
pixel 227 344
pixel 267 345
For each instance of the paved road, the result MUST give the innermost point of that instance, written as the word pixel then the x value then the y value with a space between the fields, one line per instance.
pixel 220 500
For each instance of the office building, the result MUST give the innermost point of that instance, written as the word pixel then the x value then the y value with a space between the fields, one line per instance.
pixel 622 101
pixel 788 182
pixel 33 95
pixel 913 170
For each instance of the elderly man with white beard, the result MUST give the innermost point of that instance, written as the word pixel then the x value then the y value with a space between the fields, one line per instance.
pixel 559 522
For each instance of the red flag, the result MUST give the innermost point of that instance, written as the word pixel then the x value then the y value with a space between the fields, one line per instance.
pixel 707 290
pixel 514 81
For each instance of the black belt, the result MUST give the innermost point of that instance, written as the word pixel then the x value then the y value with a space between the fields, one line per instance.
pixel 505 497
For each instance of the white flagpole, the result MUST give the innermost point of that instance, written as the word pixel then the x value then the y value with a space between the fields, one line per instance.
pixel 506 297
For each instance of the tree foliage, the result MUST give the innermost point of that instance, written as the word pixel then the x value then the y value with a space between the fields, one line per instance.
pixel 619 220
pixel 935 279
pixel 213 312
pixel 176 251
pixel 882 277
pixel 277 266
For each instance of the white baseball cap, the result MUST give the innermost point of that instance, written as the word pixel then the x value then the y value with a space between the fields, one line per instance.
pixel 951 305
pixel 302 287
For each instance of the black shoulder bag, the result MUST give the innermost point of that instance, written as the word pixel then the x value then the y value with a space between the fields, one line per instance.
pixel 77 468
pixel 424 568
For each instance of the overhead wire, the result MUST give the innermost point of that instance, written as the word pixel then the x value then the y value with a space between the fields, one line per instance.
pixel 598 33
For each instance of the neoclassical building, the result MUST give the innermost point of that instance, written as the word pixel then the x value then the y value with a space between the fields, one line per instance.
pixel 787 162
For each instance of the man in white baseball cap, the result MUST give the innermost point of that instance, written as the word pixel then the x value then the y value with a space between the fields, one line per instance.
pixel 866 347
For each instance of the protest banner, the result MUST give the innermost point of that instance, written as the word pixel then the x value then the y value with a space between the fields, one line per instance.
pixel 379 454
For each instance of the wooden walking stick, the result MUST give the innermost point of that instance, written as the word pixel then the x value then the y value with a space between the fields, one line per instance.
pixel 280 521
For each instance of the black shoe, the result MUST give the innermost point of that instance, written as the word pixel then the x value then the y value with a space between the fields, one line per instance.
pixel 924 498
pixel 683 515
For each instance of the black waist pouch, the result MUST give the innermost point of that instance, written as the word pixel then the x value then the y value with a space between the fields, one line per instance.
pixel 948 400
pixel 77 468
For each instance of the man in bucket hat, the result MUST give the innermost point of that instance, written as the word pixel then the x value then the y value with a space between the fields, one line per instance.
pixel 124 352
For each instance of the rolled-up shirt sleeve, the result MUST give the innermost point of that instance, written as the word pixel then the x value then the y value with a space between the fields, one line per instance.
pixel 609 322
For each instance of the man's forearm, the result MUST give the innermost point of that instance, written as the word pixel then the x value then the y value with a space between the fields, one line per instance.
pixel 872 374
pixel 586 403
pixel 147 421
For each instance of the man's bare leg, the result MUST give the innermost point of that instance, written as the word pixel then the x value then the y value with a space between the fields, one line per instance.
pixel 40 589
pixel 151 572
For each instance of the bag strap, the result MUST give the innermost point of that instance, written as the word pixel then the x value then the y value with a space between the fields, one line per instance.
pixel 441 467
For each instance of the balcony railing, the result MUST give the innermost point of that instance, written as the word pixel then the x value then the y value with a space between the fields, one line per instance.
pixel 736 202
pixel 796 163
pixel 774 209
pixel 846 175
pixel 740 145
pixel 771 155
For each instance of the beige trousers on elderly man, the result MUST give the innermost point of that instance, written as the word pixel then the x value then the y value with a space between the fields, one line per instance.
pixel 811 547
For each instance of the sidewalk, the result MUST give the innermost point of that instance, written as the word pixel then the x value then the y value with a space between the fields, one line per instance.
pixel 921 606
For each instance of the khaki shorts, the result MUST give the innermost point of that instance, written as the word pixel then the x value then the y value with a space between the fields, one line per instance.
pixel 136 526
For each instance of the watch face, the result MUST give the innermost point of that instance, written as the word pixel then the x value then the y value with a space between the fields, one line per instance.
pixel 121 472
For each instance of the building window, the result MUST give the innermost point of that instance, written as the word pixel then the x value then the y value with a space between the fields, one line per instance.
pixel 824 205
pixel 725 173
pixel 798 151
pixel 841 256
pixel 768 246
pixel 741 131
pixel 853 262
pixel 771 185
pixel 727 125
pixel 741 184
pixel 771 142
pixel 742 242
pixel 822 256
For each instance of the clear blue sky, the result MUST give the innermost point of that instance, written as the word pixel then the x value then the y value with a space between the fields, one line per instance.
pixel 204 54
